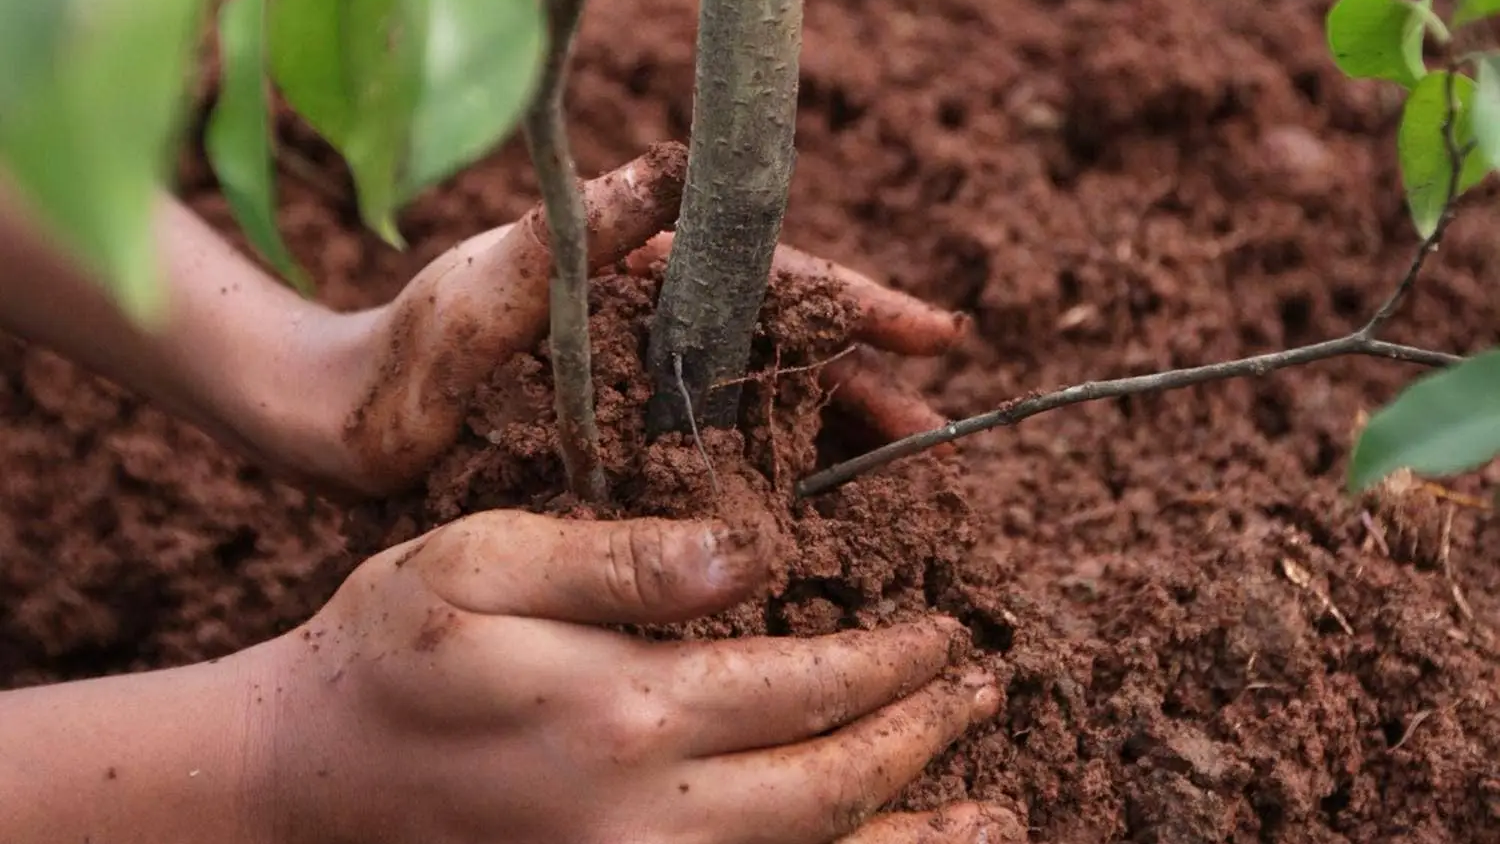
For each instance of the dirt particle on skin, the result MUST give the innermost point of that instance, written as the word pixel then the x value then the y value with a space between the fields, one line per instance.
pixel 440 623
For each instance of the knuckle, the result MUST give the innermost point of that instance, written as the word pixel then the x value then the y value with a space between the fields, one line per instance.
pixel 831 698
pixel 635 569
pixel 636 731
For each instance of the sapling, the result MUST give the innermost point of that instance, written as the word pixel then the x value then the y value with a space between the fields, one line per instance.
pixel 739 171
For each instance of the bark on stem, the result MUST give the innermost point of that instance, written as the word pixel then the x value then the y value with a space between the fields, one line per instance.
pixel 567 225
pixel 739 169
pixel 1012 412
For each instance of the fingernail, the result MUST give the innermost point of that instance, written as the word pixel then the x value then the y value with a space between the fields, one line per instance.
pixel 986 700
pixel 997 826
pixel 736 557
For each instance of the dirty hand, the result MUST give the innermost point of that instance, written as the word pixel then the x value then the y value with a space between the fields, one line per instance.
pixel 458 688
pixel 486 299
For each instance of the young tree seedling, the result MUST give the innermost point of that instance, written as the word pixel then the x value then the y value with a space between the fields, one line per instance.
pixel 739 171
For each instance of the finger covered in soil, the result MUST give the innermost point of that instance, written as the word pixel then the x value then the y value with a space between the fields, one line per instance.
pixel 485 302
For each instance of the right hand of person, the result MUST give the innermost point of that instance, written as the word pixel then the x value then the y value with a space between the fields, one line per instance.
pixel 465 687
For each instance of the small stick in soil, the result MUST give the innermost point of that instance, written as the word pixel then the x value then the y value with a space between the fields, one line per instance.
pixel 572 367
pixel 687 401
pixel 1445 553
pixel 1360 342
pixel 776 371
pixel 739 172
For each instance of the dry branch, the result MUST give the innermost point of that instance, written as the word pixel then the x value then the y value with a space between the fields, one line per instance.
pixel 572 368
pixel 1360 342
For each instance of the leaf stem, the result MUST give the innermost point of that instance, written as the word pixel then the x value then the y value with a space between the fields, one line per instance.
pixel 572 368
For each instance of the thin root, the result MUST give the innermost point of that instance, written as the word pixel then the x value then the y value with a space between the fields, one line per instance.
pixel 776 371
pixel 687 402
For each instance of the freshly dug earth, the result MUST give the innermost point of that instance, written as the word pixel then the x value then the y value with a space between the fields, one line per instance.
pixel 1201 638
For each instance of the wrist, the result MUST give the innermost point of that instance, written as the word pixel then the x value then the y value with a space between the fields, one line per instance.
pixel 287 409
pixel 165 756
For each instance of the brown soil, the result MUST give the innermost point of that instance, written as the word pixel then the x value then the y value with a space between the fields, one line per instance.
pixel 1201 638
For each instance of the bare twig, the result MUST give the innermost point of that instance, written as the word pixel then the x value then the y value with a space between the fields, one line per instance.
pixel 572 369
pixel 687 401
pixel 1456 156
pixel 1361 342
pixel 1015 411
pixel 776 371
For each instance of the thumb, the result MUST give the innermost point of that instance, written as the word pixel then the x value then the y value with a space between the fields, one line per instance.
pixel 638 571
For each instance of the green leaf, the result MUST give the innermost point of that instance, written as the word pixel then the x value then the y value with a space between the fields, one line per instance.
pixel 1443 423
pixel 91 126
pixel 29 37
pixel 409 91
pixel 483 61
pixel 238 138
pixel 1378 39
pixel 351 69
pixel 1426 166
pixel 1470 11
pixel 1486 115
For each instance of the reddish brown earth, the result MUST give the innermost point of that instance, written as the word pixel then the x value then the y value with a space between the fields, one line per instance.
pixel 1200 637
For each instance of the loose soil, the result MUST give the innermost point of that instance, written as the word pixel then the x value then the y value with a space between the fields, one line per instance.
pixel 1199 636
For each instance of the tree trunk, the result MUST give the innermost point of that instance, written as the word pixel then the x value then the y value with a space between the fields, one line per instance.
pixel 739 169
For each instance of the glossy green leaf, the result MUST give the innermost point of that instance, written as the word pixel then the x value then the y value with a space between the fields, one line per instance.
pixel 1469 11
pixel 351 68
pixel 1377 39
pixel 1443 423
pixel 238 138
pixel 408 91
pixel 483 61
pixel 91 129
pixel 1486 119
pixel 1426 164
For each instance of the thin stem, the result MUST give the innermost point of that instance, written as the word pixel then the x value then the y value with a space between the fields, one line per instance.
pixel 1016 410
pixel 1430 243
pixel 572 369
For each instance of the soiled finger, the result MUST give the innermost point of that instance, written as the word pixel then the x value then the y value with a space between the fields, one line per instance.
pixel 800 688
pixel 636 571
pixel 888 319
pixel 483 302
pixel 864 386
pixel 962 823
pixel 828 787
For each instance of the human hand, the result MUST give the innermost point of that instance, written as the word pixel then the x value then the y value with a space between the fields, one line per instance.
pixel 486 299
pixel 458 688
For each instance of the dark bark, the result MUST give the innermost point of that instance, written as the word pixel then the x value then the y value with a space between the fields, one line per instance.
pixel 572 368
pixel 739 169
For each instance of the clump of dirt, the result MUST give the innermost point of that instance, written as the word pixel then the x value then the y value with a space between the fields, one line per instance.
pixel 857 557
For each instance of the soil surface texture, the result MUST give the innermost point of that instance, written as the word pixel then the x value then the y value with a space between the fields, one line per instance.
pixel 1200 636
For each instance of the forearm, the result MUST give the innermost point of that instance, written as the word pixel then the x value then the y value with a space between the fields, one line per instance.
pixel 238 354
pixel 155 758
